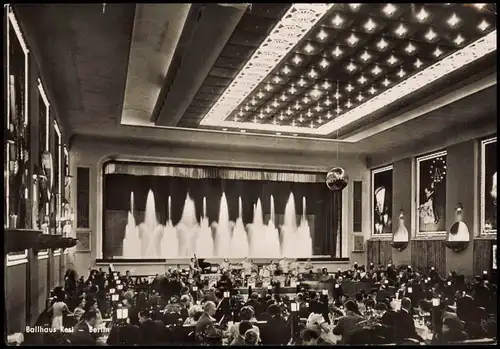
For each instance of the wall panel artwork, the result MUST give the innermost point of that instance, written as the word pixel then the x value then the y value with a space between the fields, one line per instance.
pixel 382 201
pixel 489 186
pixel 159 211
pixel 431 194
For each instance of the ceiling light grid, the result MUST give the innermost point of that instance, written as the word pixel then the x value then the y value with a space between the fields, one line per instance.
pixel 387 66
pixel 292 28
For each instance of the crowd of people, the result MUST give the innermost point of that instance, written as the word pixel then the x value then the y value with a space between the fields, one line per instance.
pixel 401 306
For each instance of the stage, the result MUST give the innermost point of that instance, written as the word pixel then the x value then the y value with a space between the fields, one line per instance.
pixel 156 266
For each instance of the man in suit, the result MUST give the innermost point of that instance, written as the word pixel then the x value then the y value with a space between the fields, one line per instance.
pixel 255 304
pixel 222 307
pixel 152 332
pixel 405 326
pixel 83 332
pixel 276 331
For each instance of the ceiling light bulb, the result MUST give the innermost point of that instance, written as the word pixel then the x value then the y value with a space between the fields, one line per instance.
pixel 372 90
pixel 315 93
pixel 354 7
pixel 401 73
pixel 236 118
pixel 311 125
pixel 459 40
pixel 329 115
pixel 370 25
pixel 317 108
pixel 268 87
pixel 479 6
pixel 324 63
pixel 337 95
pixel 253 101
pixel 254 120
pixel 352 40
pixel 338 110
pixel 261 115
pixel 392 60
pixel 293 123
pixel 306 100
pixel 247 108
pixel 430 35
pixel 286 70
pixel 386 82
pixel 301 119
pixel 422 15
pixel 260 95
pixel 328 102
pixel 483 25
pixel 337 52
pixel 309 48
pixel 401 30
pixel 437 52
pixel 382 44
pixel 365 56
pixel 277 79
pixel 283 97
pixel 360 97
pixel 410 48
pixel 274 121
pixel 418 63
pixel 348 105
pixel 288 112
pixel 282 116
pixel 337 20
pixel 326 85
pixel 349 88
pixel 389 9
pixel 320 120
pixel 240 113
pixel 376 70
pixel 351 67
pixel 309 114
pixel 453 20
pixel 275 104
pixel 293 90
pixel 312 74
pixel 297 60
pixel 297 105
pixel 362 79
pixel 322 35
pixel 302 82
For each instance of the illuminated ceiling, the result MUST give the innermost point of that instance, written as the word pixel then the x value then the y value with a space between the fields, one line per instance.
pixel 324 66
pixel 268 73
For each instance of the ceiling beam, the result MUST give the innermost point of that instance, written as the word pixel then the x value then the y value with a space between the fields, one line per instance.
pixel 197 55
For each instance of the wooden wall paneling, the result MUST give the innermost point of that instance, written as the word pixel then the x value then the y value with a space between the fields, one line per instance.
pixel 428 253
pixel 15 298
pixel 482 255
pixel 43 287
pixel 379 252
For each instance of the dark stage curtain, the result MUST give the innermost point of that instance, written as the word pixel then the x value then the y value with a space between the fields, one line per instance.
pixel 323 208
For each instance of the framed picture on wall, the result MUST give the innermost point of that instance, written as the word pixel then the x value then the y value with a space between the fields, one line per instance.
pixel 489 186
pixel 431 194
pixel 382 201
pixel 83 244
pixel 358 243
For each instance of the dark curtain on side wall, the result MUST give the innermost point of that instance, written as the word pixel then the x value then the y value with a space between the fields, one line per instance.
pixel 323 208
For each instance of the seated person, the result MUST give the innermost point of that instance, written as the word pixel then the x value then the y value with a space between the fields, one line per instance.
pixel 243 327
pixel 246 314
pixel 251 337
pixel 347 324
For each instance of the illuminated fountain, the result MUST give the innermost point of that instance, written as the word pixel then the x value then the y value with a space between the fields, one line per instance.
pixel 187 229
pixel 204 245
pixel 272 238
pixel 150 231
pixel 303 245
pixel 169 241
pixel 239 241
pixel 131 241
pixel 222 230
pixel 289 228
pixel 256 232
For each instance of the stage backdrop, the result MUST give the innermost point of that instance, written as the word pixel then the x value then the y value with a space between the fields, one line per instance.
pixel 156 211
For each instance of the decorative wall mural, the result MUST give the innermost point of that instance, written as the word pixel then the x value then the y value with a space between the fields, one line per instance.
pixel 431 193
pixel 382 201
pixel 489 186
